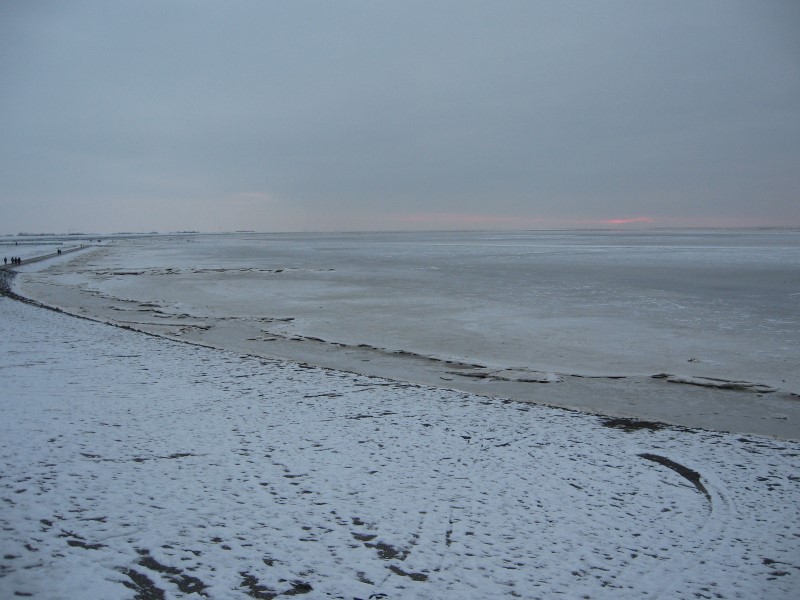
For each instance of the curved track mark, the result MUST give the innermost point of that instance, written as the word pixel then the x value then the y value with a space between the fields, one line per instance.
pixel 685 472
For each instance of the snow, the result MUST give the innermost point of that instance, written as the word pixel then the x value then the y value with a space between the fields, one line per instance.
pixel 136 466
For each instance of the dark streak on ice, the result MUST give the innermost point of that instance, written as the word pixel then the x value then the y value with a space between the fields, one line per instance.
pixel 686 472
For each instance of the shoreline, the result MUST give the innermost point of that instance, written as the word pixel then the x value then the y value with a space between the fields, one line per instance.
pixel 713 405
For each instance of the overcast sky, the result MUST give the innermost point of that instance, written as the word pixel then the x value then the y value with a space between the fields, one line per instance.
pixel 355 115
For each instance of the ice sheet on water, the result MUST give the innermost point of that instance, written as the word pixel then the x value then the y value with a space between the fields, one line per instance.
pixel 699 304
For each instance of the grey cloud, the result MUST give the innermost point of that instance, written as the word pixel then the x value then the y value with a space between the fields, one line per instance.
pixel 562 110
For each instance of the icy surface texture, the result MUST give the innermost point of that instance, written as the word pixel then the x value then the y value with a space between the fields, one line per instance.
pixel 701 304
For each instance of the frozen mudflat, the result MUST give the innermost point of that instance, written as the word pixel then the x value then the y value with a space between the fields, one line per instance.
pixel 699 328
pixel 138 467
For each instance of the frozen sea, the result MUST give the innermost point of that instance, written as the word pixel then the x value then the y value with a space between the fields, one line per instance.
pixel 482 311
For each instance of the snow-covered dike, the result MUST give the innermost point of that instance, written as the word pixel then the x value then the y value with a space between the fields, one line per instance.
pixel 138 467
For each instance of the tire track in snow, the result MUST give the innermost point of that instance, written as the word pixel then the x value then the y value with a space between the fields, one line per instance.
pixel 687 560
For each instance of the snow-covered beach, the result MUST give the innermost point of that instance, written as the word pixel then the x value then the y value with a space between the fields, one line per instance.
pixel 136 466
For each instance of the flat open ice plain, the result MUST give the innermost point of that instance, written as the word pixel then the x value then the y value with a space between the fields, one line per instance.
pixel 138 467
pixel 576 319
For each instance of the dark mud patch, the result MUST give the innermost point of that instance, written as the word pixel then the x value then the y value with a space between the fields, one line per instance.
pixel 254 589
pixel 84 545
pixel 140 459
pixel 5 282
pixel 626 424
pixel 186 583
pixel 387 551
pixel 369 416
pixel 298 587
pixel 144 587
pixel 412 576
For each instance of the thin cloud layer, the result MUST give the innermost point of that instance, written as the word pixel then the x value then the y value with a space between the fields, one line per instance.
pixel 359 115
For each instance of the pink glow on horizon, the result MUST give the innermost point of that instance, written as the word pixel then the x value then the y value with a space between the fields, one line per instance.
pixel 512 221
pixel 444 220
pixel 627 221
pixel 463 218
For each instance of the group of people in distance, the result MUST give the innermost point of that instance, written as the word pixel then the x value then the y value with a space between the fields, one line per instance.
pixel 16 260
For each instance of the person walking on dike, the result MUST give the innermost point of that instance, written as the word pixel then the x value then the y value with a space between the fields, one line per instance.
pixel 5 260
